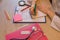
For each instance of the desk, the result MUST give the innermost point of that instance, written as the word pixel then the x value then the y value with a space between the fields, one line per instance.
pixel 7 27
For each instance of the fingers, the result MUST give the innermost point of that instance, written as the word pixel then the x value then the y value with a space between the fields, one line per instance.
pixel 31 10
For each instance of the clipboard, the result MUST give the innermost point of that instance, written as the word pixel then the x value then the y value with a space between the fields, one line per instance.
pixel 27 17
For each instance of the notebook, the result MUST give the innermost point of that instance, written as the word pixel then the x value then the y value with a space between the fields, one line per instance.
pixel 17 17
pixel 24 32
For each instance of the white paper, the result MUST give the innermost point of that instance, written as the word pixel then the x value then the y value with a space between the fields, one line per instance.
pixel 27 17
pixel 55 21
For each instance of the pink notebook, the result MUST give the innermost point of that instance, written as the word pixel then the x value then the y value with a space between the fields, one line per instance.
pixel 17 17
pixel 25 32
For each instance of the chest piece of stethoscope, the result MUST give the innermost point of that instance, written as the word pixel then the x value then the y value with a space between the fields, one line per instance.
pixel 22 3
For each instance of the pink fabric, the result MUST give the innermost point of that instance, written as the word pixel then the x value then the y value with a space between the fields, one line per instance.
pixel 43 38
pixel 17 34
pixel 38 36
pixel 17 17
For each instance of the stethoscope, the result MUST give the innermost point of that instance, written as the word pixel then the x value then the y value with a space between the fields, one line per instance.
pixel 23 3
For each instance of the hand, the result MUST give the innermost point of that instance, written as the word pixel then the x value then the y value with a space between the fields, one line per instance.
pixel 32 10
pixel 46 8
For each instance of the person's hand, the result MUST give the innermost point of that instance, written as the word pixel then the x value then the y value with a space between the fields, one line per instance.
pixel 32 10
pixel 32 6
pixel 46 8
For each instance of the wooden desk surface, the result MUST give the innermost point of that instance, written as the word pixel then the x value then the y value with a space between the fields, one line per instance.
pixel 7 27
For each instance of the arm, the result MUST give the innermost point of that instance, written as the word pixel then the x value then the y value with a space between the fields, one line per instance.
pixel 33 3
pixel 32 6
pixel 46 7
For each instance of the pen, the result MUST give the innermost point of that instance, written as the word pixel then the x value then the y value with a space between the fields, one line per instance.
pixel 7 15
pixel 35 9
pixel 25 8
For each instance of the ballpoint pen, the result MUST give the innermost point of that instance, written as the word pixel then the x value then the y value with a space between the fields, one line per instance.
pixel 7 15
pixel 35 9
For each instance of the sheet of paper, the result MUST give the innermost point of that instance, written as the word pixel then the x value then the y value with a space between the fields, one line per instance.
pixel 27 17
pixel 55 23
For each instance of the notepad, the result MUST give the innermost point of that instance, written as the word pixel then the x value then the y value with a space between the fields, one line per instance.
pixel 17 17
